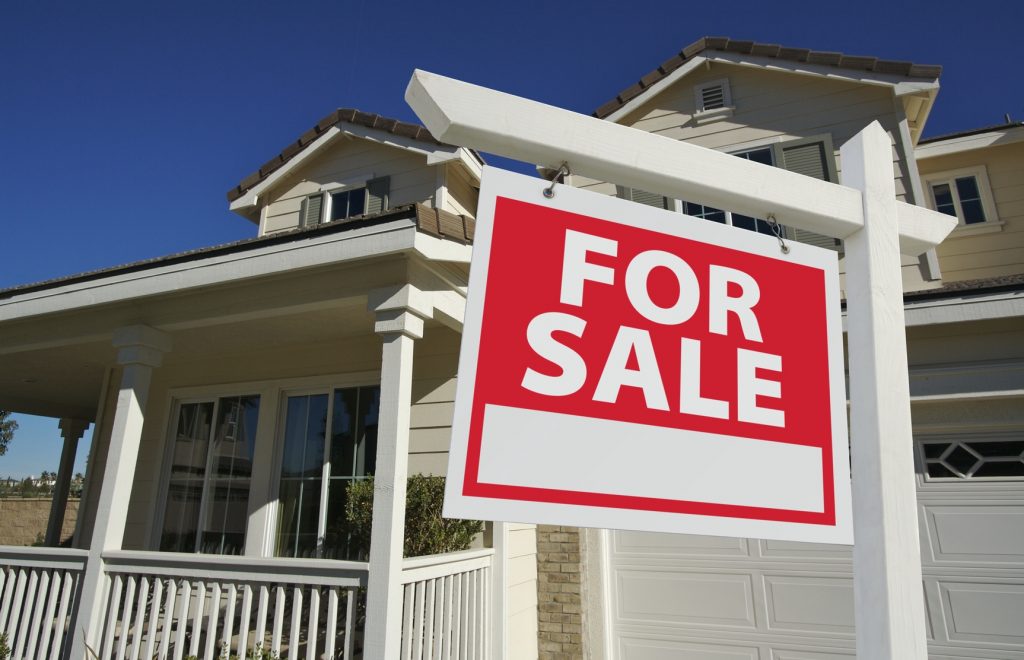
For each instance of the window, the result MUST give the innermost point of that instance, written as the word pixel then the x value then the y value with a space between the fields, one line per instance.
pixel 975 458
pixel 965 194
pixel 315 471
pixel 207 504
pixel 347 202
pixel 713 100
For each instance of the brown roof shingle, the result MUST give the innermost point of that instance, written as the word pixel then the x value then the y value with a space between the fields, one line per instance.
pixel 339 116
pixel 839 60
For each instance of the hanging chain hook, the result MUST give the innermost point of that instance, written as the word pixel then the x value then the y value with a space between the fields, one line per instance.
pixel 777 230
pixel 563 171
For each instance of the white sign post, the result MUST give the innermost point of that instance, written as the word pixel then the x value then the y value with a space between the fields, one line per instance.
pixel 887 572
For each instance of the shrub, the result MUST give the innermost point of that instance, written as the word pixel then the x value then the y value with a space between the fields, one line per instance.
pixel 426 531
pixel 5 650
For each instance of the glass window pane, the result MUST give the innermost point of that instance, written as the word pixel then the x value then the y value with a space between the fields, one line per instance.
pixel 366 449
pixel 744 222
pixel 343 432
pixel 305 428
pixel 191 440
pixel 763 156
pixel 228 511
pixel 336 541
pixel 943 199
pixel 299 508
pixel 973 212
pixel 181 516
pixel 357 202
pixel 967 188
pixel 235 440
pixel 339 205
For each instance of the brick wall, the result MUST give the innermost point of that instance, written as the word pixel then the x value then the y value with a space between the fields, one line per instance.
pixel 23 519
pixel 559 592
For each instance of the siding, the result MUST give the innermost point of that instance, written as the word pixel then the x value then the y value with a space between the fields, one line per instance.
pixel 522 592
pixel 772 107
pixel 462 192
pixel 412 180
pixel 965 256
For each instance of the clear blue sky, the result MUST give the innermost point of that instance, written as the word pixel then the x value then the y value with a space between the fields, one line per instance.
pixel 122 125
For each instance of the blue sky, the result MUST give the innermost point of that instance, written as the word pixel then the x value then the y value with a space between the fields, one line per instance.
pixel 122 125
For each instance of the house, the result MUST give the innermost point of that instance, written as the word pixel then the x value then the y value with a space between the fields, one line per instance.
pixel 215 377
pixel 664 596
pixel 235 391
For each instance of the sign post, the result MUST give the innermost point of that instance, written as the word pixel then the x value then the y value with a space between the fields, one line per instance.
pixel 887 576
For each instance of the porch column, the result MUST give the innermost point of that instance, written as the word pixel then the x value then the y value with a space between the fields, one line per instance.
pixel 140 349
pixel 398 325
pixel 71 430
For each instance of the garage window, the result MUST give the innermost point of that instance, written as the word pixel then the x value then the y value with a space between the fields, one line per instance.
pixel 987 458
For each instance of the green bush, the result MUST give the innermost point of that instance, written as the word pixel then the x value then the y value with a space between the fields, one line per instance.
pixel 426 531
pixel 5 650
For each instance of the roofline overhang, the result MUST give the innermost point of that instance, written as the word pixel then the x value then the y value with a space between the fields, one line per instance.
pixel 248 201
pixel 259 260
pixel 901 85
pixel 969 142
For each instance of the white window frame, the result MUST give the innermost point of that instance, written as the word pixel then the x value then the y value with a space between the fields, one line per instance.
pixel 204 395
pixel 330 189
pixel 702 116
pixel 988 205
pixel 324 387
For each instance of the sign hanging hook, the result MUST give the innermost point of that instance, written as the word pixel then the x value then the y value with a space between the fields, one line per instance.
pixel 777 230
pixel 563 171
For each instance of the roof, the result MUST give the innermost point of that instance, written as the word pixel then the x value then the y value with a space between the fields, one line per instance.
pixel 339 116
pixel 968 287
pixel 973 131
pixel 774 51
pixel 436 222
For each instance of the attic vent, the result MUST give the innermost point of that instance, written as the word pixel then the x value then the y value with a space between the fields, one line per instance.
pixel 713 95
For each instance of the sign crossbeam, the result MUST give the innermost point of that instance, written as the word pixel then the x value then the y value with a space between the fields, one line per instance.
pixel 460 113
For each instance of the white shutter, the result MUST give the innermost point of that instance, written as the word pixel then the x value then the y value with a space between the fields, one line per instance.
pixel 814 158
pixel 312 210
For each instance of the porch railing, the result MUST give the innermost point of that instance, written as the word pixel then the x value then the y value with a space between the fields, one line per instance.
pixel 173 605
pixel 38 587
pixel 446 609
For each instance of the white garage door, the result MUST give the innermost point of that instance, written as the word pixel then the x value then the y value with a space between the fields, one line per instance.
pixel 711 598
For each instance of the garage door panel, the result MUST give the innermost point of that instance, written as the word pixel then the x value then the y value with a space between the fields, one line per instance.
pixel 809 604
pixel 687 599
pixel 674 545
pixel 646 649
pixel 773 549
pixel 816 654
pixel 983 612
pixel 976 534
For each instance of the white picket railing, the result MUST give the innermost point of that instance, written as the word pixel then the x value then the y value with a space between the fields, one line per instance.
pixel 173 605
pixel 446 610
pixel 38 587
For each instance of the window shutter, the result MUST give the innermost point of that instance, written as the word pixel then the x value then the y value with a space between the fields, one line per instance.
pixel 377 191
pixel 642 197
pixel 811 158
pixel 312 207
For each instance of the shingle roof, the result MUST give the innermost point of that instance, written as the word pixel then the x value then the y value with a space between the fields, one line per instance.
pixel 838 60
pixel 443 224
pixel 339 116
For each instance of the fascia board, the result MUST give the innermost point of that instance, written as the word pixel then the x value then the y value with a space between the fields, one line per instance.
pixel 657 88
pixel 250 197
pixel 367 242
pixel 902 84
pixel 958 309
pixel 969 143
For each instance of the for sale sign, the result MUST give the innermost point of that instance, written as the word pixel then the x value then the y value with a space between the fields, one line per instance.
pixel 628 367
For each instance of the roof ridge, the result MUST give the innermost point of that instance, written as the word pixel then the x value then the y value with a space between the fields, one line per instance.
pixel 827 58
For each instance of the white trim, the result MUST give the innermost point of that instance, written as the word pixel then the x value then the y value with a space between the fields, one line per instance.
pixel 900 84
pixel 249 198
pixel 955 145
pixel 965 307
pixel 994 395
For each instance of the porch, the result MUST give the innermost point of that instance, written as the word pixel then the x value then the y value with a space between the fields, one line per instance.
pixel 175 605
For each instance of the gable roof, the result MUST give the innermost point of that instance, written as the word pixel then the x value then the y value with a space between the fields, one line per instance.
pixel 768 51
pixel 349 116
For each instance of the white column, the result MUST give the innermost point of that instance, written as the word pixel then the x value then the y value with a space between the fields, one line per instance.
pixel 398 327
pixel 71 430
pixel 888 595
pixel 140 350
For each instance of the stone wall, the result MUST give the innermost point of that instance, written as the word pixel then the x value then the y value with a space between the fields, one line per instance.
pixel 559 592
pixel 23 519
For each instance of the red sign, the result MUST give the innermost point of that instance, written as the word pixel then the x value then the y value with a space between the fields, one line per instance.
pixel 628 367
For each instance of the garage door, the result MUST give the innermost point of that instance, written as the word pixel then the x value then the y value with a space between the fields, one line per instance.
pixel 711 598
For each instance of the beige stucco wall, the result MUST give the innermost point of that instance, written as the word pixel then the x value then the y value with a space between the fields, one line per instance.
pixel 773 107
pixel 966 254
pixel 344 160
pixel 23 520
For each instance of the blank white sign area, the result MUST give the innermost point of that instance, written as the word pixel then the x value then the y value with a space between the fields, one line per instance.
pixel 542 450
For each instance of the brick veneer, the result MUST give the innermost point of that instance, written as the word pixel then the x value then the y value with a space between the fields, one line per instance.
pixel 559 592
